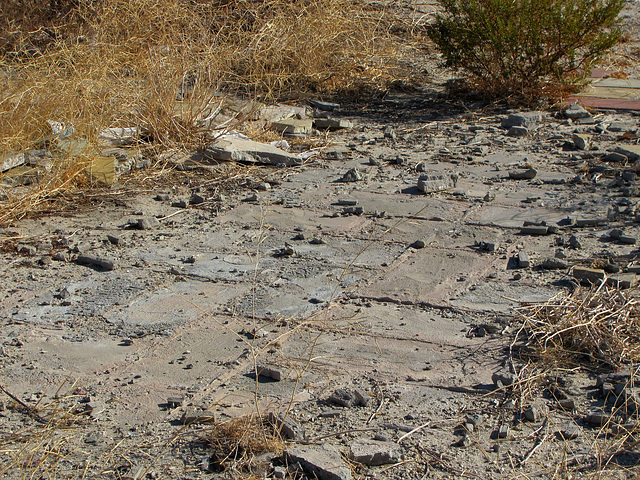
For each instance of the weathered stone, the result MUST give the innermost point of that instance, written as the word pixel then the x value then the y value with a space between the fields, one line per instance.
pixel 322 461
pixel 436 182
pixel 616 157
pixel 344 398
pixel 594 276
pixel 331 123
pixel 503 431
pixel 293 126
pixel 523 119
pixel 175 402
pixel 567 404
pixel 598 419
pixel 571 431
pixel 523 260
pixel 372 452
pixel 623 281
pixel 95 261
pixel 532 414
pixel 196 417
pixel 362 396
pixel 11 161
pixel 347 201
pixel 534 230
pixel 575 111
pixel 591 222
pixel 326 106
pixel 286 426
pixel 486 246
pixel 119 136
pixel 574 242
pixel 527 174
pixel 271 371
pixel 197 199
pixel 147 223
pixel 505 378
pixel 229 148
pixel 28 250
pixel 632 152
pixel 582 141
pixel 518 131
pixel 554 263
pixel 114 239
pixel 352 175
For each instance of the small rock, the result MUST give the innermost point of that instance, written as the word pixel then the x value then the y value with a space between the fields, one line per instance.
pixel 419 244
pixel 571 431
pixel 114 239
pixel 532 414
pixel 505 378
pixel 344 398
pixel 527 174
pixel 373 453
pixel 28 250
pixel 523 119
pixel 99 262
pixel 582 141
pixel 554 263
pixel 322 461
pixel 196 199
pixel 352 175
pixel 576 111
pixel 574 242
pixel 271 371
pixel 286 426
pixel 518 131
pixel 503 431
pixel 523 260
pixel 175 402
pixel 147 223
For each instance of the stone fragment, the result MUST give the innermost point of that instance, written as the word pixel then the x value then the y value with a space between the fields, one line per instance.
pixel 623 281
pixel 196 199
pixel 504 378
pixel 373 453
pixel 175 402
pixel 437 182
pixel 591 222
pixel 114 239
pixel 567 404
pixel 486 246
pixel 582 141
pixel 95 261
pixel 615 157
pixel 344 397
pixel 534 230
pixel 271 371
pixel 347 201
pixel 518 131
pixel 293 126
pixel 286 426
pixel 331 123
pixel 632 152
pixel 575 112
pixel 571 431
pixel 598 419
pixel 352 175
pixel 7 162
pixel 28 250
pixel 197 417
pixel 523 119
pixel 554 263
pixel 235 149
pixel 147 223
pixel 162 197
pixel 362 396
pixel 523 260
pixel 325 106
pixel 322 461
pixel 574 242
pixel 593 276
pixel 619 235
pixel 528 174
pixel 532 414
pixel 119 136
pixel 503 431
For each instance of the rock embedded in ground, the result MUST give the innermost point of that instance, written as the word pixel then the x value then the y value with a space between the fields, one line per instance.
pixel 373 452
pixel 528 174
pixel 322 461
pixel 235 149
pixel 437 182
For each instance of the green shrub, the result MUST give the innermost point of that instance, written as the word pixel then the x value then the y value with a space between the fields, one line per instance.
pixel 525 48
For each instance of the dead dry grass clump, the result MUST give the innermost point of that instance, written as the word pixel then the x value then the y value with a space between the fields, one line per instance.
pixel 166 66
pixel 599 327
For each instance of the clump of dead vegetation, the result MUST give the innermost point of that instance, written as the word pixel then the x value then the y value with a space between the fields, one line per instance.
pixel 599 327
pixel 166 67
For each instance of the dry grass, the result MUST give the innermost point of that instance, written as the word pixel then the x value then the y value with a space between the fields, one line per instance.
pixel 600 327
pixel 165 66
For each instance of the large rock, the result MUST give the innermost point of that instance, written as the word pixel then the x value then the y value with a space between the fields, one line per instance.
pixel 372 452
pixel 524 119
pixel 323 461
pixel 436 182
pixel 235 149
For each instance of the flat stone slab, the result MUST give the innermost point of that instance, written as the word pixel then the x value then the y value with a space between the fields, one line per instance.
pixel 372 452
pixel 323 461
pixel 237 149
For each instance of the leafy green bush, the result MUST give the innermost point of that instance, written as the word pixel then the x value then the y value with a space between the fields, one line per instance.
pixel 525 48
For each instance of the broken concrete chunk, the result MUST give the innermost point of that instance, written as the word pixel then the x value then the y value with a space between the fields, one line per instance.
pixel 594 276
pixel 372 452
pixel 622 281
pixel 598 419
pixel 591 222
pixel 527 174
pixel 94 261
pixel 437 182
pixel 229 148
pixel 286 426
pixel 486 246
pixel 322 461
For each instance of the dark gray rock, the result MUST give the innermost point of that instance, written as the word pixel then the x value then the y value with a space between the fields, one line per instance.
pixel 576 111
pixel 437 182
pixel 352 175
pixel 554 263
pixel 147 223
pixel 527 174
pixel 95 261
pixel 523 119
